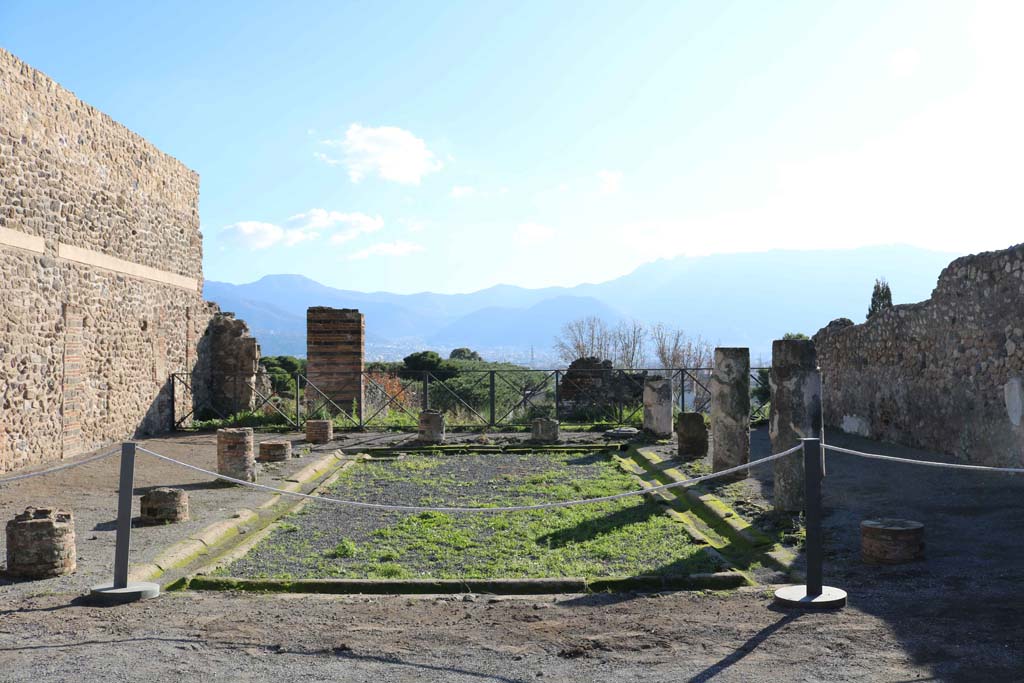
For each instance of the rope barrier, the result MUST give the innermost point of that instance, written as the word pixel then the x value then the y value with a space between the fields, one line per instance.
pixel 514 508
pixel 58 468
pixel 926 463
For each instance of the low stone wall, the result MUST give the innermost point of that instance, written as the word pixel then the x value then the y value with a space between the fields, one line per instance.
pixel 944 374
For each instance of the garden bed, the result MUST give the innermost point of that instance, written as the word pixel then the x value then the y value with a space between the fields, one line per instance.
pixel 629 537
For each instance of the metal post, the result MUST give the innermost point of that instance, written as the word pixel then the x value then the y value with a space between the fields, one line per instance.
pixel 120 590
pixel 812 491
pixel 813 594
pixel 426 390
pixel 125 487
pixel 362 399
pixel 493 416
pixel 556 393
pixel 298 392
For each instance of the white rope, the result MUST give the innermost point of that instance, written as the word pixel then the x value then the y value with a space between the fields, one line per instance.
pixel 58 468
pixel 514 508
pixel 927 463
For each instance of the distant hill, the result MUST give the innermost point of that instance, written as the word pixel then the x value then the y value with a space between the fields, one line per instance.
pixel 730 299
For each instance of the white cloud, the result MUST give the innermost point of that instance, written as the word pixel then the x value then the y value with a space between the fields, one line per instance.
pixel 303 227
pixel 392 153
pixel 460 191
pixel 344 226
pixel 610 181
pixel 254 234
pixel 413 225
pixel 397 248
pixel 531 234
pixel 904 62
pixel 326 159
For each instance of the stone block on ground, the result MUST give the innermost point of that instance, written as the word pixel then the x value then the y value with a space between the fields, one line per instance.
pixel 275 451
pixel 163 506
pixel 545 429
pixel 41 544
pixel 235 457
pixel 319 431
pixel 891 541
pixel 431 427
pixel 692 432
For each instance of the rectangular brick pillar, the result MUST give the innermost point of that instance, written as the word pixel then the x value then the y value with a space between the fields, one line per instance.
pixel 335 352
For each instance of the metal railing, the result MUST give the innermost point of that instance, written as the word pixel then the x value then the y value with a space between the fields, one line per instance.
pixel 469 398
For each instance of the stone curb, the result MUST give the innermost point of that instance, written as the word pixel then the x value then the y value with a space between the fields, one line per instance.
pixel 540 586
pixel 773 554
pixel 183 552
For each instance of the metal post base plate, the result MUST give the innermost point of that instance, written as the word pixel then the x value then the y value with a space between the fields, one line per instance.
pixel 107 594
pixel 796 596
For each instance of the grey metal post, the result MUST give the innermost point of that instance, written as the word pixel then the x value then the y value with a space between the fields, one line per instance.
pixel 493 415
pixel 813 594
pixel 126 486
pixel 120 590
pixel 812 491
pixel 426 390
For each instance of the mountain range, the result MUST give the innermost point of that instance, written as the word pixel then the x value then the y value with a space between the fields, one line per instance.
pixel 745 299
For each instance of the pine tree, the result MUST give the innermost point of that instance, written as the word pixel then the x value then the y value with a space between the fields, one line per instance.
pixel 881 298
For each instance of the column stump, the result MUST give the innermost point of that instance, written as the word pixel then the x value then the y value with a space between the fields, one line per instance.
pixel 431 427
pixel 692 432
pixel 545 430
pixel 319 431
pixel 235 456
pixel 275 451
pixel 41 544
pixel 891 541
pixel 163 506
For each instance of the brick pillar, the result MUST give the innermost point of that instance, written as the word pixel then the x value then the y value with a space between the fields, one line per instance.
pixel 335 351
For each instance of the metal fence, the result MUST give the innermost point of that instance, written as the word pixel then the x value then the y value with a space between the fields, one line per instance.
pixel 487 398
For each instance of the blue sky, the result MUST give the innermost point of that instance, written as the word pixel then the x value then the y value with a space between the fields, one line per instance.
pixel 453 146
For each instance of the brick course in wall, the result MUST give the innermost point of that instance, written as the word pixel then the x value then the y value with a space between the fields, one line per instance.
pixel 100 275
pixel 944 374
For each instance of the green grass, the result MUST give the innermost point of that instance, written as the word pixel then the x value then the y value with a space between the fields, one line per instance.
pixel 626 537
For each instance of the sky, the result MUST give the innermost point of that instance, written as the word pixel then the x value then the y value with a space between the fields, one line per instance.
pixel 451 146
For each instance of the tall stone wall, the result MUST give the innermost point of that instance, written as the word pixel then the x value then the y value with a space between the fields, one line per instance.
pixel 944 374
pixel 335 352
pixel 100 274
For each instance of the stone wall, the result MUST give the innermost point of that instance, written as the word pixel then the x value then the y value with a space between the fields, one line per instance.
pixel 335 353
pixel 100 274
pixel 944 374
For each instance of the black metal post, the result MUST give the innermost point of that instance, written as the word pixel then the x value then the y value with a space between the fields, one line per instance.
pixel 126 486
pixel 812 492
pixel 493 415
pixel 298 392
pixel 813 594
pixel 556 393
pixel 426 390
pixel 362 398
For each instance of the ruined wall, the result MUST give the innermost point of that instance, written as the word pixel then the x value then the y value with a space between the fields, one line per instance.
pixel 943 374
pixel 100 274
pixel 335 352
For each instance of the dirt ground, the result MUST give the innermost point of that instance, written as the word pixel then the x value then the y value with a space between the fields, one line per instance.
pixel 955 616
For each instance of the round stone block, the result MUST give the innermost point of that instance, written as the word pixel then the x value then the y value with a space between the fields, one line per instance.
pixel 163 506
pixel 319 431
pixel 545 429
pixel 235 457
pixel 891 541
pixel 275 451
pixel 41 544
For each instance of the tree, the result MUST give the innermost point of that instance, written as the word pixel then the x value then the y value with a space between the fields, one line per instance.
pixel 676 350
pixel 584 338
pixel 462 353
pixel 628 344
pixel 881 298
pixel 794 335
